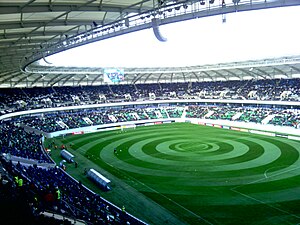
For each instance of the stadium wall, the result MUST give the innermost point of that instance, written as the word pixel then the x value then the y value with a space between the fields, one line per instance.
pixel 271 130
pixel 106 127
pixel 268 129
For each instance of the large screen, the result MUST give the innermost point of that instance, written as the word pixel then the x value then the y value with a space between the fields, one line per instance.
pixel 113 75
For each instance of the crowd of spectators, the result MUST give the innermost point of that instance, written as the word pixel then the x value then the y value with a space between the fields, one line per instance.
pixel 36 179
pixel 286 118
pixel 19 201
pixel 46 187
pixel 18 99
pixel 40 184
pixel 14 140
pixel 74 199
pixel 275 116
pixel 63 120
pixel 52 190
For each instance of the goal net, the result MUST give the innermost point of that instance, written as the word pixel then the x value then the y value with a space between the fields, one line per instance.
pixel 128 127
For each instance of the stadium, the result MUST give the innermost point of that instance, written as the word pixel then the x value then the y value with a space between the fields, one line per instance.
pixel 185 143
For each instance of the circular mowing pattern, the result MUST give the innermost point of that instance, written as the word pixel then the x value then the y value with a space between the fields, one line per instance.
pixel 203 167
pixel 192 147
pixel 163 152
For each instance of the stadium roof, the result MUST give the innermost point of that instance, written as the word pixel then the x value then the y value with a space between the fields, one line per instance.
pixel 31 30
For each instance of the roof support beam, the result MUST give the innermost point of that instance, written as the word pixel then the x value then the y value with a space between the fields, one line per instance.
pixel 31 45
pixel 244 71
pixel 37 79
pixel 27 4
pixel 14 8
pixel 295 68
pixel 220 74
pixel 97 78
pixel 263 72
pixel 280 71
pixel 158 79
pixel 54 19
pixel 61 77
pixel 29 24
pixel 137 78
pixel 196 76
pixel 183 76
pixel 20 80
pixel 36 34
pixel 233 74
pixel 208 75
pixel 50 82
pixel 147 77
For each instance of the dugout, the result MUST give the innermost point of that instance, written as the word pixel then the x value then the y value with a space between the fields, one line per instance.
pixel 99 179
pixel 67 156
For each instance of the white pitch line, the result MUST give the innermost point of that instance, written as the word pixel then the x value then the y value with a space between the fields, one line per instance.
pixel 150 188
pixel 267 170
pixel 264 178
pixel 262 202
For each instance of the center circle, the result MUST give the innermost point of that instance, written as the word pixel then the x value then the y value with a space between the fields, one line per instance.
pixel 193 146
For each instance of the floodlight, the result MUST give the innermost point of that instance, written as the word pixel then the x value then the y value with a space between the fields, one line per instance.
pixel 126 22
pixel 160 2
pixel 223 3
pixel 95 24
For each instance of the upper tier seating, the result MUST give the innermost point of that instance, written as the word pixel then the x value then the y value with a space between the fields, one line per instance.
pixel 37 97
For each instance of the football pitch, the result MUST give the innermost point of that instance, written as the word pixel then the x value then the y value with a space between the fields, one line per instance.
pixel 182 173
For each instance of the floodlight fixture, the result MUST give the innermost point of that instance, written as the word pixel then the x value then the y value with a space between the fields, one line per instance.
pixel 160 2
pixel 127 22
pixel 95 24
pixel 223 3
pixel 235 2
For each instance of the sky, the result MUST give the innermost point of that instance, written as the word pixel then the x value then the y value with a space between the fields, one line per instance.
pixel 251 35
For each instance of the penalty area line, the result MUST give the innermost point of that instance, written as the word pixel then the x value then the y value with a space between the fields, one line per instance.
pixel 162 195
pixel 282 172
pixel 264 203
pixel 266 177
pixel 261 179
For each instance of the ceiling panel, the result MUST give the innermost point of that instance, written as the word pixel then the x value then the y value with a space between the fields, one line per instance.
pixel 81 15
pixel 41 16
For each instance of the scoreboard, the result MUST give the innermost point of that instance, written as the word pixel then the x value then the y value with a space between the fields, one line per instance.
pixel 113 75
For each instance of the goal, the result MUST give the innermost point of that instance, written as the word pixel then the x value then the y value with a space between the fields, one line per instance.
pixel 126 127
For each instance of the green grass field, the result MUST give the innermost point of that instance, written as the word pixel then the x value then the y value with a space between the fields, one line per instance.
pixel 189 174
